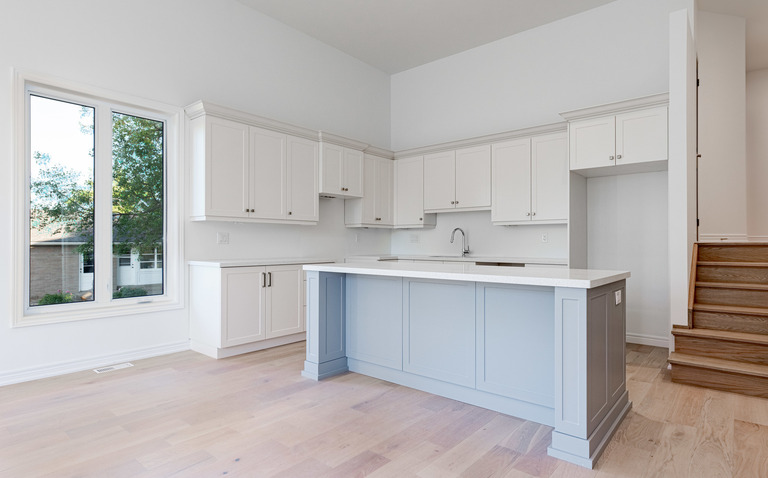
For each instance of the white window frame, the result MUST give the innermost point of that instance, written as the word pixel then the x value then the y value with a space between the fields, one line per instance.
pixel 104 306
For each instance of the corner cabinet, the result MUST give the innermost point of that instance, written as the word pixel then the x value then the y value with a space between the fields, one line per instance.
pixel 376 208
pixel 530 180
pixel 241 309
pixel 341 166
pixel 625 137
pixel 409 194
pixel 458 180
pixel 247 173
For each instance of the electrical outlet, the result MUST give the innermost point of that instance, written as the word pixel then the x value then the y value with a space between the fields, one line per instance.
pixel 544 237
pixel 222 238
pixel 618 297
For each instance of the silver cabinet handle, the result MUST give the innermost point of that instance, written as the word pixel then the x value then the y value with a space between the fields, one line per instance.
pixel 533 214
pixel 528 214
pixel 618 156
pixel 269 275
pixel 421 219
pixel 610 158
pixel 263 279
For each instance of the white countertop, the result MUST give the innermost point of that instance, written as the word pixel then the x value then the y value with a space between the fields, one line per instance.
pixel 258 262
pixel 470 258
pixel 540 276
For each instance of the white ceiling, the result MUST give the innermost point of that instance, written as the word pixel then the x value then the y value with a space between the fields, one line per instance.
pixel 396 35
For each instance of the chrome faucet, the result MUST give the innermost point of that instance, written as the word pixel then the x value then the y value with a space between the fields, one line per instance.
pixel 464 245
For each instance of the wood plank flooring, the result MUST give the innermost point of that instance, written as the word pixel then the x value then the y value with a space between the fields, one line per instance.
pixel 186 415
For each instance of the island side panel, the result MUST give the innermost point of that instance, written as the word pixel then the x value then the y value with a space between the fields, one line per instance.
pixel 439 330
pixel 374 320
pixel 326 327
pixel 590 385
pixel 516 342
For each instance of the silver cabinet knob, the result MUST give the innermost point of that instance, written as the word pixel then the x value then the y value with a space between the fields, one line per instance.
pixel 618 156
pixel 528 214
pixel 610 158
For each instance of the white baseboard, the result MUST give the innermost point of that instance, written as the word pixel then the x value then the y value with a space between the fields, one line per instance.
pixel 652 340
pixel 46 371
pixel 217 353
pixel 758 238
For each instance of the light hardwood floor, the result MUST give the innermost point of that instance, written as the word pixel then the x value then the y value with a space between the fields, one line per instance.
pixel 254 416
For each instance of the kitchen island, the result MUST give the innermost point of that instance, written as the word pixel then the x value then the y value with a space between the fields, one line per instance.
pixel 543 344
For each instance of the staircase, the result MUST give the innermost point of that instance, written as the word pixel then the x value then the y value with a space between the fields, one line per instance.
pixel 725 346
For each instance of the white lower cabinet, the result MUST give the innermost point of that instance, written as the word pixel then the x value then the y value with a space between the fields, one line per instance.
pixel 236 310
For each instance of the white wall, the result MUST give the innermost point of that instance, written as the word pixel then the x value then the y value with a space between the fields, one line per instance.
pixel 177 52
pixel 720 44
pixel 757 155
pixel 682 161
pixel 627 229
pixel 611 53
pixel 484 238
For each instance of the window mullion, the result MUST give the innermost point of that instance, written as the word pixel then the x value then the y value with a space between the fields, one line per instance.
pixel 103 205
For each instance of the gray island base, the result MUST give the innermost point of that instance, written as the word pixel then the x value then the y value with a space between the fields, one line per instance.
pixel 546 345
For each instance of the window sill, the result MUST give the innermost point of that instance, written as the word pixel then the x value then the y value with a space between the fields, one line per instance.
pixel 80 312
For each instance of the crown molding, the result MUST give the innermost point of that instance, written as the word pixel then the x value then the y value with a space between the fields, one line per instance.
pixel 199 108
pixel 618 107
pixel 326 137
pixel 380 152
pixel 483 140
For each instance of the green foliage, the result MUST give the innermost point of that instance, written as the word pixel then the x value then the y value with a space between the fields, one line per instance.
pixel 129 292
pixel 57 298
pixel 64 203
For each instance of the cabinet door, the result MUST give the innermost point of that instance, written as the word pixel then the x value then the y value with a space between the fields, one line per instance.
pixel 511 181
pixel 368 203
pixel 242 305
pixel 409 191
pixel 284 308
pixel 641 136
pixel 268 174
pixel 302 188
pixel 549 177
pixel 384 191
pixel 227 168
pixel 331 162
pixel 592 143
pixel 352 173
pixel 440 181
pixel 473 177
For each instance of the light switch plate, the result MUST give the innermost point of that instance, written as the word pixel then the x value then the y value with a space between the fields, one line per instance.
pixel 618 297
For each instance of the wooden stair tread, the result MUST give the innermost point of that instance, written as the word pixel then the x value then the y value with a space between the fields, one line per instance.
pixel 723 335
pixel 718 364
pixel 731 309
pixel 732 264
pixel 732 285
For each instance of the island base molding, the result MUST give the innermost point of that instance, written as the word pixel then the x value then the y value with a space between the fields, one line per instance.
pixel 549 354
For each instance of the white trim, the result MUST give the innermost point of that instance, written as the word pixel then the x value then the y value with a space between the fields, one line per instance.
pixel 36 373
pixel 652 340
pixel 752 238
pixel 722 238
pixel 484 140
pixel 173 264
pixel 218 353
pixel 618 107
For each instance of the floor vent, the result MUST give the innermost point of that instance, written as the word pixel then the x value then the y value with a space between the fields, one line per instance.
pixel 113 367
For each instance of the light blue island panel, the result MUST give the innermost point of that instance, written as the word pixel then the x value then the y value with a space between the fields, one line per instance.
pixel 375 320
pixel 439 333
pixel 590 391
pixel 326 345
pixel 516 342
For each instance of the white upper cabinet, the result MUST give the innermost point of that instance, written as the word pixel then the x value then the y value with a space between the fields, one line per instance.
pixel 375 209
pixel 530 180
pixel 459 179
pixel 241 172
pixel 409 194
pixel 624 137
pixel 341 171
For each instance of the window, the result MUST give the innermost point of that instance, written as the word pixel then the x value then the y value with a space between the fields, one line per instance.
pixel 96 204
